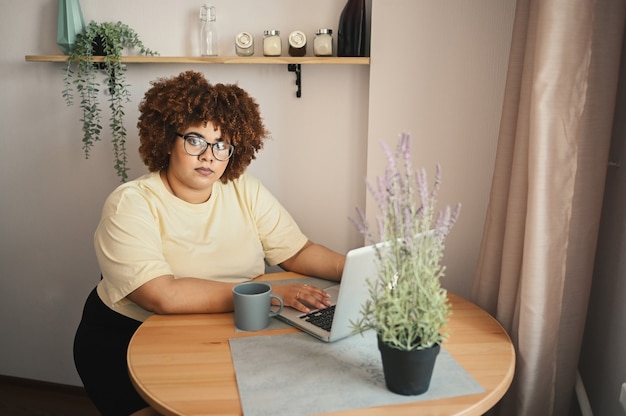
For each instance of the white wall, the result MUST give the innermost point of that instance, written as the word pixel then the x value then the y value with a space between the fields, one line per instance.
pixel 52 197
pixel 315 162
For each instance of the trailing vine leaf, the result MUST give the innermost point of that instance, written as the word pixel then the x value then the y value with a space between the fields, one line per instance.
pixel 108 40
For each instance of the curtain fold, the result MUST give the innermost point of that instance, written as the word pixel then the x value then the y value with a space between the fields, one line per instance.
pixel 536 260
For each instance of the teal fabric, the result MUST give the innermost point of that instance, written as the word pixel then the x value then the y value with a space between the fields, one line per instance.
pixel 70 22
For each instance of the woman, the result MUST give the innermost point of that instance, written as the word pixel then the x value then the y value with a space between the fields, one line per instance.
pixel 177 239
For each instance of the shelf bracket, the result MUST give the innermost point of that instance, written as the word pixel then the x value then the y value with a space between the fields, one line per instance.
pixel 297 68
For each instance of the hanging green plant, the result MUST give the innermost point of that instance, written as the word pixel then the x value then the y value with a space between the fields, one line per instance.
pixel 108 40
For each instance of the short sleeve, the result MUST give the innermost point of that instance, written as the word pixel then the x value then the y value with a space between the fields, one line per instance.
pixel 128 244
pixel 279 234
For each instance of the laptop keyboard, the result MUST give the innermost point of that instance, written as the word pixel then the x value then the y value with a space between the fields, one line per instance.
pixel 322 318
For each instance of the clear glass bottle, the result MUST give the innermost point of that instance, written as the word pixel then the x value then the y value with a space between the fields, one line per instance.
pixel 297 43
pixel 272 45
pixel 323 42
pixel 244 44
pixel 208 31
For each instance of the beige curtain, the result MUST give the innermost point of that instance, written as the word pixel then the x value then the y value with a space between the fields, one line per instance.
pixel 537 254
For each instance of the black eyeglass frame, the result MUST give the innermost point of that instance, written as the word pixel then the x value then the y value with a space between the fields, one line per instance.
pixel 197 136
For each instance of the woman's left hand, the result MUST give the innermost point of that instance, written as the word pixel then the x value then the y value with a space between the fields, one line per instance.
pixel 302 296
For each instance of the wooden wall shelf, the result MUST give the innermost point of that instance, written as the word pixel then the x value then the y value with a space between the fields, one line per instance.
pixel 294 64
pixel 330 60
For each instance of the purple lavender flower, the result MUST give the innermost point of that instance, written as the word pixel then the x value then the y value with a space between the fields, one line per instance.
pixel 401 216
pixel 408 308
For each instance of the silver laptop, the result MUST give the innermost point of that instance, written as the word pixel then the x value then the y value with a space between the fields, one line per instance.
pixel 346 299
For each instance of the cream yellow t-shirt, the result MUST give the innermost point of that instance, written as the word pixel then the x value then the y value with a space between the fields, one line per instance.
pixel 146 232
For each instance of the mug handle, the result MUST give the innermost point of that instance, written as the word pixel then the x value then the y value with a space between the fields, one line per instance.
pixel 280 306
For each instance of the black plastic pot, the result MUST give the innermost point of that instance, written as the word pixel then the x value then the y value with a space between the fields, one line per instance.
pixel 408 372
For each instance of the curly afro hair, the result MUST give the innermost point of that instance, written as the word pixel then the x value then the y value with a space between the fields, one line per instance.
pixel 188 100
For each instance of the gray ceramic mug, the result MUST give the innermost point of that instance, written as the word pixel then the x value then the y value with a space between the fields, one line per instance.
pixel 253 305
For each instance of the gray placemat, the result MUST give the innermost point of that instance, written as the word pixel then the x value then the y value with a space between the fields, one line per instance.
pixel 295 374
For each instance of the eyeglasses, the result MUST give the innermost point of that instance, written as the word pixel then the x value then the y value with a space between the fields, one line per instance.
pixel 195 145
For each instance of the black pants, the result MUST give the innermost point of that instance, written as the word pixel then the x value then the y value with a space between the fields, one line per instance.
pixel 100 348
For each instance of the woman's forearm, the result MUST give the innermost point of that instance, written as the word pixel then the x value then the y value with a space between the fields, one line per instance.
pixel 166 295
pixel 316 260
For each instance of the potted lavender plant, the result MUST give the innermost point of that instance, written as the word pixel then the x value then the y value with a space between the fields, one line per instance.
pixel 408 309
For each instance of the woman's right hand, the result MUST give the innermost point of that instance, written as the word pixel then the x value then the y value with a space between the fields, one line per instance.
pixel 302 297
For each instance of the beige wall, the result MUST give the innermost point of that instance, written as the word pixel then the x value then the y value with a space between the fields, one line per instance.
pixel 438 71
pixel 315 162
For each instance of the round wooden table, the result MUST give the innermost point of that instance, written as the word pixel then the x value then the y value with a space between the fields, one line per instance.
pixel 182 365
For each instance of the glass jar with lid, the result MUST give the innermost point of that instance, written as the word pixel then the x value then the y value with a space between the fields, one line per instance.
pixel 272 45
pixel 323 42
pixel 297 43
pixel 244 44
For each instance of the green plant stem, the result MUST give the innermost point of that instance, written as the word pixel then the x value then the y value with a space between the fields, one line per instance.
pixel 108 39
